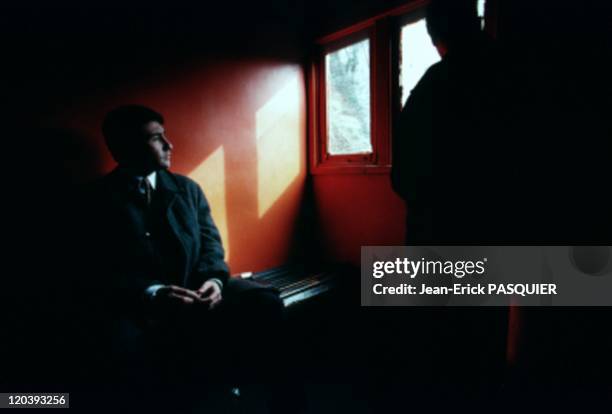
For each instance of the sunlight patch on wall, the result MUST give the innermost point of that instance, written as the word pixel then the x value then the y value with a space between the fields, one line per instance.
pixel 210 174
pixel 278 133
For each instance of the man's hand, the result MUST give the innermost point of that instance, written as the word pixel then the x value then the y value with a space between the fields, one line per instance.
pixel 210 293
pixel 176 295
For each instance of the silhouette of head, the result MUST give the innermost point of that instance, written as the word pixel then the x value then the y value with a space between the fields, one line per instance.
pixel 136 138
pixel 452 22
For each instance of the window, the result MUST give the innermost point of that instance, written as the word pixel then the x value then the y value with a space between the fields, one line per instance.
pixel 347 114
pixel 347 80
pixel 360 79
pixel 416 55
pixel 481 12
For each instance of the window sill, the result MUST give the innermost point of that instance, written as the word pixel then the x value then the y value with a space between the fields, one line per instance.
pixel 350 169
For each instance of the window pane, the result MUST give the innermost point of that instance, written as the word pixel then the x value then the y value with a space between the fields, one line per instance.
pixel 481 12
pixel 417 54
pixel 347 75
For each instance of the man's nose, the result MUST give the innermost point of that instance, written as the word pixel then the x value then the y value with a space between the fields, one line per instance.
pixel 168 145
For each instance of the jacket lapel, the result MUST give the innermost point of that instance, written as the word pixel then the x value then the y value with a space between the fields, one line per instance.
pixel 168 190
pixel 119 199
pixel 168 193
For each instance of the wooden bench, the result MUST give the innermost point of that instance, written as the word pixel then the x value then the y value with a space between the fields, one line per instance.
pixel 295 283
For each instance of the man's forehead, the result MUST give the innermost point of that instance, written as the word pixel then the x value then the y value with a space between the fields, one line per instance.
pixel 153 127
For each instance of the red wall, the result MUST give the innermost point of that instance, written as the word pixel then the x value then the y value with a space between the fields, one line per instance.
pixel 357 210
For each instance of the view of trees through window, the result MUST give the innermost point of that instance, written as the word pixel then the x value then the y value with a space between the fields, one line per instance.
pixel 347 76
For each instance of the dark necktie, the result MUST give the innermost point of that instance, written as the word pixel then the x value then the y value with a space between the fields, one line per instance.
pixel 145 190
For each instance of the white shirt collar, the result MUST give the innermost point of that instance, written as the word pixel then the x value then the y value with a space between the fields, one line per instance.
pixel 152 179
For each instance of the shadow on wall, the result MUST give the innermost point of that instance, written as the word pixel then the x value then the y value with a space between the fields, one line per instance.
pixel 45 166
pixel 60 157
pixel 56 161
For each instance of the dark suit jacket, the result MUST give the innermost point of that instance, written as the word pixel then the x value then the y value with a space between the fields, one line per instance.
pixel 119 261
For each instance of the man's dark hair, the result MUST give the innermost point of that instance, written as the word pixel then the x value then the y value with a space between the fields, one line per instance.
pixel 452 21
pixel 122 128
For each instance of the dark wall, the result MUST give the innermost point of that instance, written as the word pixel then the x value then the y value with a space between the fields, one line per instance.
pixel 326 17
pixel 561 56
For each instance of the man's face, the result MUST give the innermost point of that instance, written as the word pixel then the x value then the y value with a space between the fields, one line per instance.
pixel 157 148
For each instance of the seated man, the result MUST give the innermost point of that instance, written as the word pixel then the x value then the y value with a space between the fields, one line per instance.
pixel 157 288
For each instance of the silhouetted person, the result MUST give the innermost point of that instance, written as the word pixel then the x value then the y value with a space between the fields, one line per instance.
pixel 153 287
pixel 448 147
pixel 448 165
